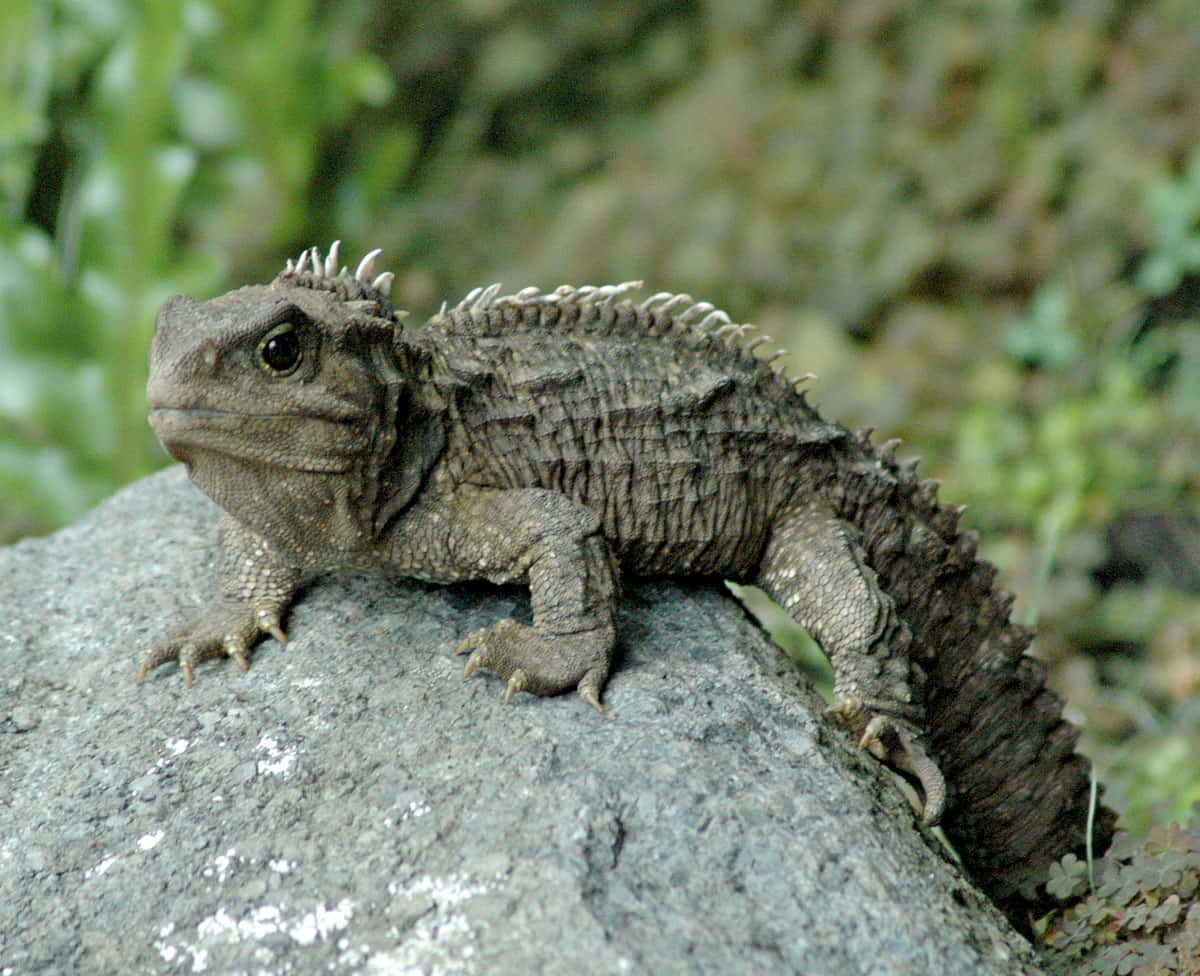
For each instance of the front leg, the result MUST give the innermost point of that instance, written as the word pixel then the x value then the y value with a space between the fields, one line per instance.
pixel 257 585
pixel 529 536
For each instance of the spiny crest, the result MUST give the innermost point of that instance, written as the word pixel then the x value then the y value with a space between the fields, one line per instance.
pixel 681 313
pixel 666 314
pixel 923 493
pixel 370 292
pixel 479 300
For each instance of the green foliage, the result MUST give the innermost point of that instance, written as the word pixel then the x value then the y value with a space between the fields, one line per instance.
pixel 1141 917
pixel 125 129
pixel 1101 445
pixel 790 636
pixel 1174 207
pixel 1106 438
pixel 1120 433
pixel 875 162
pixel 1152 767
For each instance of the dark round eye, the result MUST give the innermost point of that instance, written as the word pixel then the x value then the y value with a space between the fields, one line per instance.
pixel 280 351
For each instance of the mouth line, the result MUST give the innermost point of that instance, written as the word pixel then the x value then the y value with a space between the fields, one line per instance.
pixel 212 413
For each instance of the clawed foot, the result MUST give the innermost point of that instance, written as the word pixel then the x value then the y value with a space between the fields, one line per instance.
pixel 898 746
pixel 544 664
pixel 227 629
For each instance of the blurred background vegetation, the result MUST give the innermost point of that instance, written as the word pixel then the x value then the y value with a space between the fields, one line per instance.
pixel 978 223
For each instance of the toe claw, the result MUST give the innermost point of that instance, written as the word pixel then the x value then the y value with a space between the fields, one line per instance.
pixel 899 746
pixel 873 735
pixel 155 657
pixel 517 682
pixel 589 690
pixel 236 649
pixel 475 640
pixel 592 699
pixel 269 623
pixel 149 662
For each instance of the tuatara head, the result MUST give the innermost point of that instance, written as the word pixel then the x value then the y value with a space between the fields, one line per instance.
pixel 281 399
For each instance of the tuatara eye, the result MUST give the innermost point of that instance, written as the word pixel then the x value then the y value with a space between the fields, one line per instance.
pixel 280 351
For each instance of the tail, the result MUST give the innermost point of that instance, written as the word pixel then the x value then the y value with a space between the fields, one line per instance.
pixel 1019 793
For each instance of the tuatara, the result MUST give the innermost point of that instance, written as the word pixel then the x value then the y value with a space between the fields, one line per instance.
pixel 566 439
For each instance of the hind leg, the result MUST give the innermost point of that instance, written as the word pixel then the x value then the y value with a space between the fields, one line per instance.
pixel 815 570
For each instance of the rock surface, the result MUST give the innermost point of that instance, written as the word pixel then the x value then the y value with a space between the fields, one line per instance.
pixel 352 806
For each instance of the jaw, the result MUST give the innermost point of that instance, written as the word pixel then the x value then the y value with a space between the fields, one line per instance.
pixel 298 481
pixel 319 514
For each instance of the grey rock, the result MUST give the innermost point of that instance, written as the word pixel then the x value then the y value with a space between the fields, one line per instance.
pixel 352 806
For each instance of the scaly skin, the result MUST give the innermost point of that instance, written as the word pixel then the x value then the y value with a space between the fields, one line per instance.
pixel 564 440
